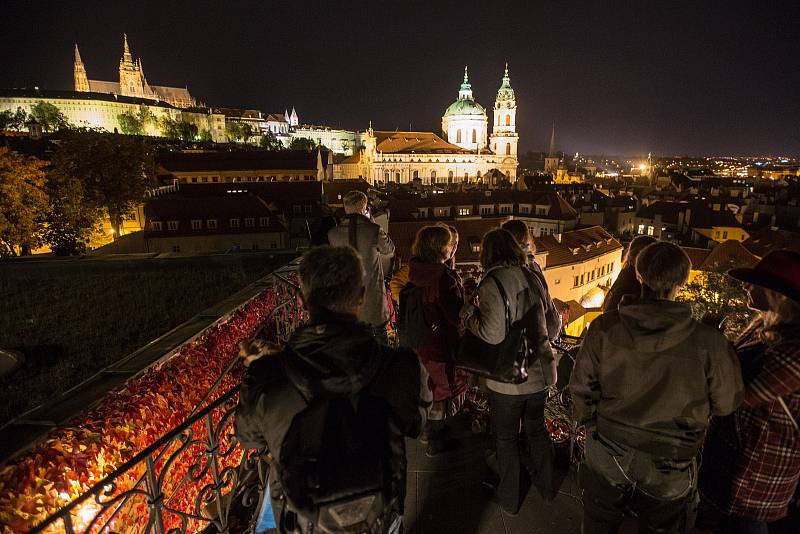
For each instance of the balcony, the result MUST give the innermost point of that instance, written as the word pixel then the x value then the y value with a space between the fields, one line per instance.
pixel 196 477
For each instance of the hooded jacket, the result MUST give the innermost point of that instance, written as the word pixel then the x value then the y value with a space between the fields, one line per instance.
pixel 376 250
pixel 648 376
pixel 336 358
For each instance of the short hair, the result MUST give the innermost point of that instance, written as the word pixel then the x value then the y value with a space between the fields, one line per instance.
pixel 355 202
pixel 430 244
pixel 518 229
pixel 500 248
pixel 331 278
pixel 635 247
pixel 663 267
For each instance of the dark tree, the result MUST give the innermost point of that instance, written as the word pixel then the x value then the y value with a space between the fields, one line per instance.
pixel 49 116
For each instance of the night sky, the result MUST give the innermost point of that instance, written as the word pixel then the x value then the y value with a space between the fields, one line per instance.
pixel 700 77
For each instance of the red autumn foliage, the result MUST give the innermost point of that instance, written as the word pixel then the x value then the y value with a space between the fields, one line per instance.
pixel 77 456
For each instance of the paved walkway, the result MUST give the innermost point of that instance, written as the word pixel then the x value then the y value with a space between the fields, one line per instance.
pixel 444 495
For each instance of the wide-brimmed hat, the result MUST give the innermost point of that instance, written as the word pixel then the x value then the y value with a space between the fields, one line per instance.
pixel 779 270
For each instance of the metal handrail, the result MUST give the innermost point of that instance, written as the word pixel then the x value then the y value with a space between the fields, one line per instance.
pixel 139 458
pixel 160 456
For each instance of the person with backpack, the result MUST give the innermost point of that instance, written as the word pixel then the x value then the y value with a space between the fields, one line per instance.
pixel 646 381
pixel 513 405
pixel 376 249
pixel 332 409
pixel 429 324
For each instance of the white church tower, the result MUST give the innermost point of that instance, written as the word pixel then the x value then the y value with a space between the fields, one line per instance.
pixel 504 136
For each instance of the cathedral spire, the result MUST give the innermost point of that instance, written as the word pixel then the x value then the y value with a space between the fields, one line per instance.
pixel 80 80
pixel 126 51
pixel 552 151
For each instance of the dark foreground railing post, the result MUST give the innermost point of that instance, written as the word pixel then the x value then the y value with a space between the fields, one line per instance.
pixel 212 451
pixel 155 498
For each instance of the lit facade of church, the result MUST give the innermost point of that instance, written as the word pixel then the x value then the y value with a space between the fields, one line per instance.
pixel 132 82
pixel 462 154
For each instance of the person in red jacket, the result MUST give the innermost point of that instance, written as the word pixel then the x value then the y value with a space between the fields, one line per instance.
pixel 443 297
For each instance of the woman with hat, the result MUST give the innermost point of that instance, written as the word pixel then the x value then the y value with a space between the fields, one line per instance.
pixel 751 461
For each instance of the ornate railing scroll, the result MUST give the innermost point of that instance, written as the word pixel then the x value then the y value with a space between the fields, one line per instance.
pixel 196 476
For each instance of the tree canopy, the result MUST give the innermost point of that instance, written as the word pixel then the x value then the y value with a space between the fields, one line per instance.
pixel 136 123
pixel 270 142
pixel 10 120
pixel 95 173
pixel 23 203
pixel 239 131
pixel 48 116
pixel 715 295
pixel 302 143
pixel 178 129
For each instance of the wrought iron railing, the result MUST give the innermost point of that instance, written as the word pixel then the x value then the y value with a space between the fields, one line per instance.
pixel 195 477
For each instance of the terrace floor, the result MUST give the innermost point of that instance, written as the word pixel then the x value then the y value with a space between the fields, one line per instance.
pixel 444 494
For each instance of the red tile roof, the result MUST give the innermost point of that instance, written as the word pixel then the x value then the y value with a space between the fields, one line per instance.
pixel 576 246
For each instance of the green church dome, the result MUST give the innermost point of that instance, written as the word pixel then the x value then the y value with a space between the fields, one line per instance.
pixel 465 105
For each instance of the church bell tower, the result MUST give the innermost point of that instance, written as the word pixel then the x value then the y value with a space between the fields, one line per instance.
pixel 504 136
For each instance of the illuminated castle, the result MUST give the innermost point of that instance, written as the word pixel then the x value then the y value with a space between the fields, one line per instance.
pixel 132 82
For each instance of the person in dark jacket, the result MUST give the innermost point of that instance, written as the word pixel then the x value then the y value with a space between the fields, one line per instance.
pixel 332 356
pixel 751 459
pixel 515 405
pixel 375 248
pixel 645 382
pixel 443 296
pixel 626 282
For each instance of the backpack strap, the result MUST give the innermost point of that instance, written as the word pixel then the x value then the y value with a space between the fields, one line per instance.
pixel 352 231
pixel 506 302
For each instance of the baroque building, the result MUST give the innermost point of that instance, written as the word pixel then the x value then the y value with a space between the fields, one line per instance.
pixel 461 155
pixel 132 81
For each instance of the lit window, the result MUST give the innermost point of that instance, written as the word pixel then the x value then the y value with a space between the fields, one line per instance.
pixel 234 223
pixel 211 224
pixel 155 225
pixel 464 211
pixel 508 120
pixel 249 222
pixel 641 229
pixel 172 225
pixel 197 224
pixel 650 230
pixel 475 247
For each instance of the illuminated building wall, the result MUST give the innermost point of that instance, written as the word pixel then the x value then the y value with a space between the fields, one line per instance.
pixel 100 110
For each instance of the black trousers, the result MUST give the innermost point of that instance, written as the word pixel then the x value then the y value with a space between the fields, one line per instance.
pixel 507 412
pixel 618 482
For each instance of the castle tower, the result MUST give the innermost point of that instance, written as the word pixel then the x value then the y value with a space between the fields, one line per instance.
pixel 504 136
pixel 551 161
pixel 79 72
pixel 464 121
pixel 293 121
pixel 131 78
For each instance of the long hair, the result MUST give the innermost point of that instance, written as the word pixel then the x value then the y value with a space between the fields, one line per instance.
pixel 431 243
pixel 499 248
